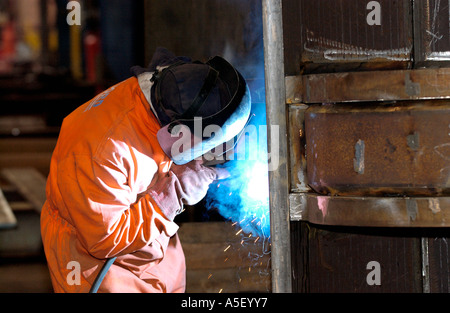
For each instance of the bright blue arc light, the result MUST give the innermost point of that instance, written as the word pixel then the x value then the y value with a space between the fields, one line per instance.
pixel 244 196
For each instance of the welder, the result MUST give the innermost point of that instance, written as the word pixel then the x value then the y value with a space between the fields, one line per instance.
pixel 125 165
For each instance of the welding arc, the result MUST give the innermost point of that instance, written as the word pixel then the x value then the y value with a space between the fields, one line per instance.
pixel 101 275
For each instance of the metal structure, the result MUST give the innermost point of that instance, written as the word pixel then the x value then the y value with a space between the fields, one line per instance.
pixel 367 132
pixel 276 115
pixel 352 207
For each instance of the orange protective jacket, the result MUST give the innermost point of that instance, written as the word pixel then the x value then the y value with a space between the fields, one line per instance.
pixel 106 160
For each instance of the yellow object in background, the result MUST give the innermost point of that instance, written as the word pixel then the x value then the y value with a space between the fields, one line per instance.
pixel 76 62
pixel 32 39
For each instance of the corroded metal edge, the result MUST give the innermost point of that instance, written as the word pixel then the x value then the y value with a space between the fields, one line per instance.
pixel 378 150
pixel 370 211
pixel 389 85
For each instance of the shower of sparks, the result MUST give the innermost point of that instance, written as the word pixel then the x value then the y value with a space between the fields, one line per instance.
pixel 251 253
pixel 243 198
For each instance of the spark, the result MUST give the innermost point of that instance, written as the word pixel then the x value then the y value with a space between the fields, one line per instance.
pixel 227 248
pixel 240 231
pixel 210 275
pixel 221 289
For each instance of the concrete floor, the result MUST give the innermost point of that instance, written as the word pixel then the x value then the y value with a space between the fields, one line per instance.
pixel 23 267
pixel 29 275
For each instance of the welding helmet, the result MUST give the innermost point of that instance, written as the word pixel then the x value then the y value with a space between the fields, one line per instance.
pixel 201 106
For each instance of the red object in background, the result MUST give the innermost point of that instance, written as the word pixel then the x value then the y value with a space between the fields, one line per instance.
pixel 7 47
pixel 92 51
pixel 8 41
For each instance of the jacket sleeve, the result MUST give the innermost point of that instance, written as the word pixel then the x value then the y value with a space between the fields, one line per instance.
pixel 184 184
pixel 109 217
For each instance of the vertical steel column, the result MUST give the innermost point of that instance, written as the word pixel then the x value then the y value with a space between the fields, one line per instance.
pixel 276 116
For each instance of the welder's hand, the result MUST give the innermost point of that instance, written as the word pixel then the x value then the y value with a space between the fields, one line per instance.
pixel 184 184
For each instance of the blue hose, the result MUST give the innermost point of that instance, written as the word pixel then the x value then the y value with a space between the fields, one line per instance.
pixel 101 275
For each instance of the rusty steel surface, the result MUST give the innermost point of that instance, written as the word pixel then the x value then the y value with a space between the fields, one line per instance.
pixel 371 211
pixel 432 32
pixel 439 262
pixel 324 36
pixel 297 155
pixel 419 84
pixel 294 89
pixel 336 259
pixel 376 150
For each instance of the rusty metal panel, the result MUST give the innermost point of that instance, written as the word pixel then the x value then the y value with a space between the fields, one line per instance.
pixel 324 36
pixel 337 259
pixel 334 259
pixel 370 211
pixel 379 149
pixel 432 83
pixel 439 261
pixel 431 32
pixel 297 160
pixel 294 89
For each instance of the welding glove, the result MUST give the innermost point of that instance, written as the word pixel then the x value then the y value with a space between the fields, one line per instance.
pixel 184 184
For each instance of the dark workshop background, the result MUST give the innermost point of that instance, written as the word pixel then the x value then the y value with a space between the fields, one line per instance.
pixel 387 82
pixel 47 69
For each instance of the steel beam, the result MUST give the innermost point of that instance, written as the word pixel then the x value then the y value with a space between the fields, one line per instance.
pixel 277 115
pixel 430 83
pixel 379 150
pixel 370 211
